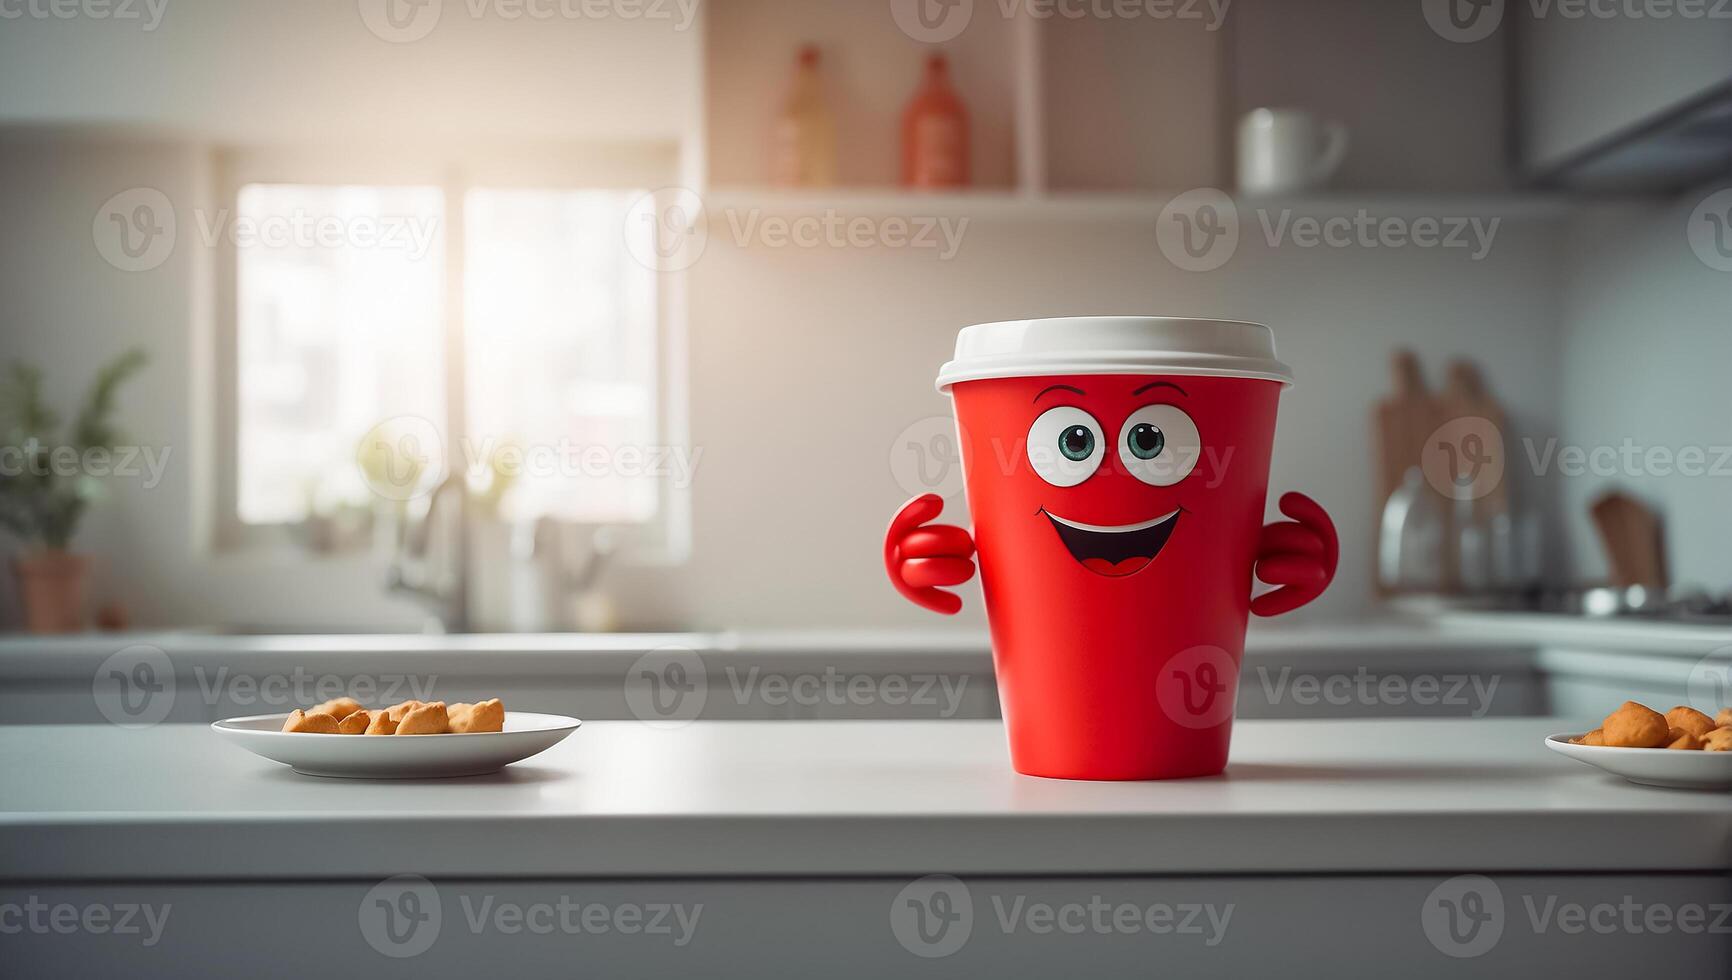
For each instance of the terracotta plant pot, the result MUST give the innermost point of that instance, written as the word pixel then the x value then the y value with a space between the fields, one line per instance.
pixel 51 584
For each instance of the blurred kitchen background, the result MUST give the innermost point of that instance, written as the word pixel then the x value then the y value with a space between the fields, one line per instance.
pixel 551 315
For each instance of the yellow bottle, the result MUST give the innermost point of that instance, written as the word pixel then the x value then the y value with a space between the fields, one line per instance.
pixel 803 151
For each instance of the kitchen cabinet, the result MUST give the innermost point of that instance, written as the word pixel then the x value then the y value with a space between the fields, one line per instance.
pixel 1458 665
pixel 1587 83
pixel 843 928
pixel 808 848
pixel 1434 120
pixel 1138 102
pixel 869 67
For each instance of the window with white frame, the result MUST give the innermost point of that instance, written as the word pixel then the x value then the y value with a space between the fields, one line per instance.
pixel 560 350
pixel 509 322
pixel 332 337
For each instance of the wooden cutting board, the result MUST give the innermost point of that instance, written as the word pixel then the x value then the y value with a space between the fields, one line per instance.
pixel 1630 532
pixel 1465 396
pixel 1401 423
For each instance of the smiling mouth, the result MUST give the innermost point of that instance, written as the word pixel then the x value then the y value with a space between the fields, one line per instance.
pixel 1118 550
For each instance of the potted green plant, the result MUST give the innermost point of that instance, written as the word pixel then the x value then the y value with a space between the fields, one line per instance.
pixel 45 488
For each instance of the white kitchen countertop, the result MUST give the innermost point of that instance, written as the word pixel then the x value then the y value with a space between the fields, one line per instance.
pixel 843 798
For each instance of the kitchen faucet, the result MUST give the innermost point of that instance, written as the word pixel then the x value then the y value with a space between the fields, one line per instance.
pixel 431 563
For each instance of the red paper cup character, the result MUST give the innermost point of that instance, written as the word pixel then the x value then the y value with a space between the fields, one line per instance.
pixel 1116 470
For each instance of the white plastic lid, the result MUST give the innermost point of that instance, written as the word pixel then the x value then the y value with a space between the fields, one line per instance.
pixel 1114 345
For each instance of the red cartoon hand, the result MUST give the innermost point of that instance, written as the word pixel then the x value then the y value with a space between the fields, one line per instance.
pixel 920 557
pixel 1297 555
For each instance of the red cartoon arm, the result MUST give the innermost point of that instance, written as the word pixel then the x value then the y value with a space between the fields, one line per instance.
pixel 920 557
pixel 1299 556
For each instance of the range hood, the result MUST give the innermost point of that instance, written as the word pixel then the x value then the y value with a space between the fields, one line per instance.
pixel 1678 148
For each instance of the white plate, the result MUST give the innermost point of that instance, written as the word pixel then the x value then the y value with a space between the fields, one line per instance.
pixel 1672 768
pixel 397 756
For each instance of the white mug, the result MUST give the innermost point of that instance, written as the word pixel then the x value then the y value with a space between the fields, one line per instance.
pixel 1282 151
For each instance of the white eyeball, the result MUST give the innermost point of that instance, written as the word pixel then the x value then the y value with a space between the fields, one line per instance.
pixel 1159 445
pixel 1065 446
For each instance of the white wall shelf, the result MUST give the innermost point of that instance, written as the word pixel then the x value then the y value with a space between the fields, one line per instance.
pixel 870 68
pixel 1113 105
pixel 1117 207
pixel 1068 104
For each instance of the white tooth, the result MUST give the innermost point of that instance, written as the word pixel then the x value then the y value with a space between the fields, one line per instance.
pixel 1114 529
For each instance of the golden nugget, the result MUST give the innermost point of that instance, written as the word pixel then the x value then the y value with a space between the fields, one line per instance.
pixel 354 723
pixel 312 722
pixel 485 716
pixel 1690 720
pixel 1636 726
pixel 338 708
pixel 428 719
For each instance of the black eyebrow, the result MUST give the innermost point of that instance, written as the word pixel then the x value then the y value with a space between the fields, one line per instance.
pixel 1048 388
pixel 1161 384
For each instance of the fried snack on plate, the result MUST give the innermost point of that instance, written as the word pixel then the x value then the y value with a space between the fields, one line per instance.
pixel 315 722
pixel 1690 720
pixel 1718 740
pixel 1636 726
pixel 338 708
pixel 354 723
pixel 1681 739
pixel 401 708
pixel 484 716
pixel 428 719
pixel 381 723
pixel 1724 718
pixel 1595 737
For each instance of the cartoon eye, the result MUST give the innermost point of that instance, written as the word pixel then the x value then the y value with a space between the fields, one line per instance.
pixel 1065 446
pixel 1160 445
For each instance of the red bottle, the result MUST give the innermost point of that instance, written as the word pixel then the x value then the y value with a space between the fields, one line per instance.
pixel 935 132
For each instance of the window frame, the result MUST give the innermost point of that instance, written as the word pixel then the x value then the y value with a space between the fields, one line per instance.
pixel 666 538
